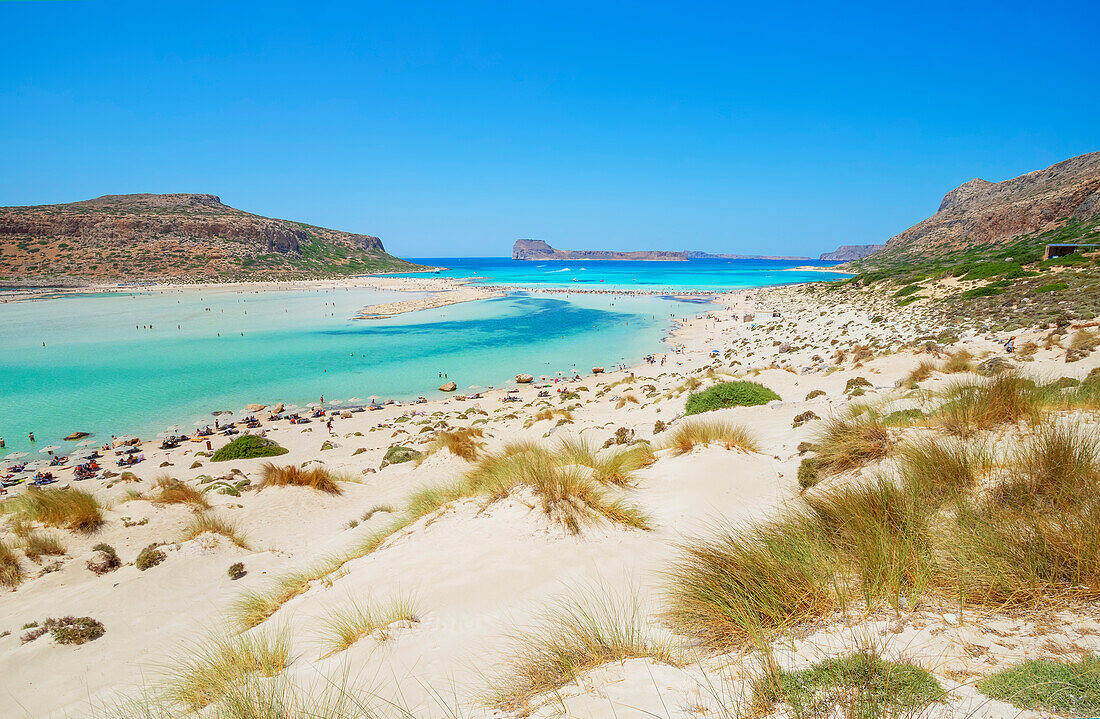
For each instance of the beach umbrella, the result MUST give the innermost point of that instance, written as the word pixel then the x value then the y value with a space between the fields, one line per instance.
pixel 49 448
pixel 87 443
pixel 357 399
pixel 290 408
pixel 37 464
pixel 314 405
pixel 127 438
pixel 16 455
pixel 201 423
pixel 164 435
pixel 336 401
pixel 221 412
pixel 173 428
pixel 81 454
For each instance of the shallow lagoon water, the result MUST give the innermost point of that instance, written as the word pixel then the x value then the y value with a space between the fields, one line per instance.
pixel 102 370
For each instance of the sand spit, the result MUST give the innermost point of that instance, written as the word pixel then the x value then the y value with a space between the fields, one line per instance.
pixel 479 572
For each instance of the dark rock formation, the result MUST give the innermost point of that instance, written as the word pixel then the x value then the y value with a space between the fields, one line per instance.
pixel 851 252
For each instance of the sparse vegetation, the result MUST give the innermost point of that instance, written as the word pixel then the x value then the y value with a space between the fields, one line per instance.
pixel 209 671
pixel 700 433
pixel 343 628
pixel 11 570
pixel 236 570
pixel 172 491
pixel 1063 687
pixel 465 443
pixel 149 557
pixel 105 559
pixel 207 522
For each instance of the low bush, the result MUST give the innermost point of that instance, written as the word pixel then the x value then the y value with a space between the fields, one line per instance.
pixel 729 394
pixel 236 570
pixel 248 446
pixel 400 455
pixel 815 393
pixel 149 557
pixel 808 473
pixel 803 418
pixel 1067 688
pixel 73 630
pixel 104 560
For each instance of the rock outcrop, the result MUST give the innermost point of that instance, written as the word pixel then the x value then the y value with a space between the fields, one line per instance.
pixel 979 212
pixel 176 236
pixel 540 250
pixel 850 252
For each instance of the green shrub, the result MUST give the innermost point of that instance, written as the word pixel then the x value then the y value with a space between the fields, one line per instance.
pixel 149 557
pixel 983 292
pixel 236 570
pixel 808 474
pixel 248 447
pixel 1066 688
pixel 1052 287
pixel 400 455
pixel 729 394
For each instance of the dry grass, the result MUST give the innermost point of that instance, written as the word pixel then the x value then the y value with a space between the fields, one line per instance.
pixel 168 490
pixel 700 433
pixel 1005 399
pixel 292 475
pixel 961 361
pixel 573 638
pixel 343 628
pixel 548 414
pixel 209 672
pixel 206 522
pixel 11 569
pixel 625 400
pixel 42 544
pixel 64 508
pixel 851 441
pixel 465 443
pixel 922 372
pixel 944 467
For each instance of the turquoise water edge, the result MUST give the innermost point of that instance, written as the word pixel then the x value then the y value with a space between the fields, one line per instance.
pixel 134 363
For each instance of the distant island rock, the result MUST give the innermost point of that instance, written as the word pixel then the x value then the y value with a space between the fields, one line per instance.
pixel 850 252
pixel 540 250
pixel 182 236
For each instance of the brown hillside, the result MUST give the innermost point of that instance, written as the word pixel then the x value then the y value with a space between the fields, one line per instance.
pixel 176 236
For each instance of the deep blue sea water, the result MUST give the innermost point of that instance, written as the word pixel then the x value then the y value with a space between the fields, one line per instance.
pixel 136 362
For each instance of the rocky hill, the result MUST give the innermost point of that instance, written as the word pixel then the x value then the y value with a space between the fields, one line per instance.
pixel 980 214
pixel 177 237
pixel 845 253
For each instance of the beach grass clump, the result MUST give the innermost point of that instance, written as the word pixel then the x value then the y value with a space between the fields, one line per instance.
pixel 742 584
pixel 169 490
pixel 958 361
pixel 625 400
pixel 37 544
pixel 851 440
pixel 465 443
pixel 861 685
pixel 1004 399
pixel 574 637
pixel 342 628
pixel 207 522
pixel 207 672
pixel 944 467
pixel 729 394
pixel 292 475
pixel 11 568
pixel 920 373
pixel 1060 687
pixel 618 467
pixel 64 507
pixel 546 414
pixel 248 446
pixel 701 433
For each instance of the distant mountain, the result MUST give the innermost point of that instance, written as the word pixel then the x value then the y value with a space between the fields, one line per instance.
pixel 176 237
pixel 850 252
pixel 980 214
pixel 540 250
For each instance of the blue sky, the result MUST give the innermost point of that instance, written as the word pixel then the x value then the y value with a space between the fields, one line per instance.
pixel 455 128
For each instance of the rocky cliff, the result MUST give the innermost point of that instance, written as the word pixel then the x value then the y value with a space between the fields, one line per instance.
pixel 176 236
pixel 981 213
pixel 850 252
pixel 540 250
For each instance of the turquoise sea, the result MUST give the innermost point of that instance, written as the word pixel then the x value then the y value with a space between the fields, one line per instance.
pixel 134 363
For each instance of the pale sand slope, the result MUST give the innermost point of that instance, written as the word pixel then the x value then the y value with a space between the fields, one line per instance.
pixel 480 572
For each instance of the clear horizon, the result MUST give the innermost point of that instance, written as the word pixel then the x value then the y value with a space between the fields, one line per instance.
pixel 787 130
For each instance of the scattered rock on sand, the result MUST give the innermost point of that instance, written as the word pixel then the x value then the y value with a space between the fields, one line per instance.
pixel 255 407
pixel 77 435
pixel 597 370
pixel 449 387
pixel 524 379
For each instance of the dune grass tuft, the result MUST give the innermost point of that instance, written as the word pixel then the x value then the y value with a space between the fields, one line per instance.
pixel 465 443
pixel 168 490
pixel 11 569
pixel 700 433
pixel 42 544
pixel 344 627
pixel 573 638
pixel 64 507
pixel 922 372
pixel 292 475
pixel 944 467
pixel 209 671
pixel 851 440
pixel 960 361
pixel 1004 399
pixel 207 522
pixel 625 400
